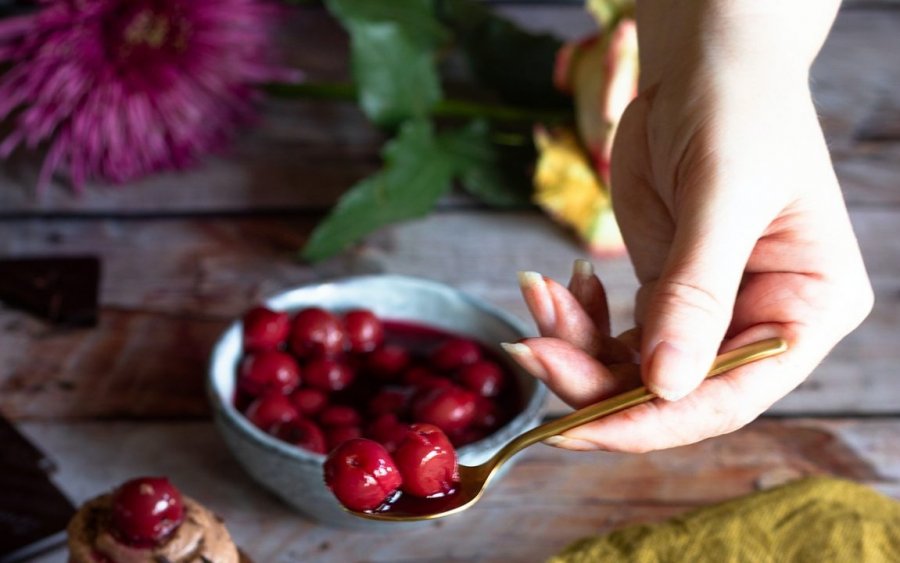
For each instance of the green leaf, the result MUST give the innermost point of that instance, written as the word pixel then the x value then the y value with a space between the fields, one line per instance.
pixel 516 64
pixel 392 56
pixel 417 171
pixel 397 80
pixel 414 17
pixel 495 174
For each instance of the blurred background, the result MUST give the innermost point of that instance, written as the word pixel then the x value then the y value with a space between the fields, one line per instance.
pixel 190 155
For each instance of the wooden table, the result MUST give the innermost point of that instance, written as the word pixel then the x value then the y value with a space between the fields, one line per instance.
pixel 183 254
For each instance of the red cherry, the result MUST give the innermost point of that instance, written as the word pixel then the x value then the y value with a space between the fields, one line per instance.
pixel 268 372
pixel 388 361
pixel 361 474
pixel 427 461
pixel 364 331
pixel 435 382
pixel 339 415
pixel 316 332
pixel 337 435
pixel 486 415
pixel 455 353
pixel 309 402
pixel 265 329
pixel 388 431
pixel 389 401
pixel 303 433
pixel 418 375
pixel 146 510
pixel 467 436
pixel 270 411
pixel 328 374
pixel 449 408
pixel 484 377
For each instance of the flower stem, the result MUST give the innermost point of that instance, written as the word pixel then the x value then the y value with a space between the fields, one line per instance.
pixel 445 108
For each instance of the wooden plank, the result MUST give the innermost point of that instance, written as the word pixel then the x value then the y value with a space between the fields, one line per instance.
pixel 303 155
pixel 170 285
pixel 549 499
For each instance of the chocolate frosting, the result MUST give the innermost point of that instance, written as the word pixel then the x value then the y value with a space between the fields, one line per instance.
pixel 201 538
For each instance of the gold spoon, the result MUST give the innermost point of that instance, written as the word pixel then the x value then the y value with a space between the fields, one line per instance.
pixel 474 480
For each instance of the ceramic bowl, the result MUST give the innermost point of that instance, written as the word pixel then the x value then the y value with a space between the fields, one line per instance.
pixel 294 474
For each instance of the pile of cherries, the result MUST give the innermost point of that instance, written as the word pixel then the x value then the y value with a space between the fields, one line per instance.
pixel 317 379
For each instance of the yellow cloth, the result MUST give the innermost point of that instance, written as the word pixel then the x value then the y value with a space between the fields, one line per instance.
pixel 815 520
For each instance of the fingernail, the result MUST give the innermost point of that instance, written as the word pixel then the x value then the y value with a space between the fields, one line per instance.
pixel 531 279
pixel 523 355
pixel 582 268
pixel 673 372
pixel 538 299
pixel 571 444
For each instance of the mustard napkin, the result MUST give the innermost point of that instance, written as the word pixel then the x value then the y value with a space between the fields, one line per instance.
pixel 816 520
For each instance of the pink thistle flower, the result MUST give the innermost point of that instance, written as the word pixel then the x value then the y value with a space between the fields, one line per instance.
pixel 117 89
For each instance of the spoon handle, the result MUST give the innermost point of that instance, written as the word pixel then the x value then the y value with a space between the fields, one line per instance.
pixel 724 362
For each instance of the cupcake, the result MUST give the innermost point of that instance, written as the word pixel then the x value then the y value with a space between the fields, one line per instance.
pixel 147 520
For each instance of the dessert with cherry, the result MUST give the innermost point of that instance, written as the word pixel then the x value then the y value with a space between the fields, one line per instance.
pixel 148 519
pixel 317 378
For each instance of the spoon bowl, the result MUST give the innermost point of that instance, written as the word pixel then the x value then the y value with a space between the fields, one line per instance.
pixel 473 480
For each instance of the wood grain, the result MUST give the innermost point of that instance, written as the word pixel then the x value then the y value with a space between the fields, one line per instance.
pixel 549 499
pixel 170 285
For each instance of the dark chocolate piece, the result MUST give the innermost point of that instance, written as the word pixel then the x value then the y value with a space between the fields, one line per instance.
pixel 61 289
pixel 33 512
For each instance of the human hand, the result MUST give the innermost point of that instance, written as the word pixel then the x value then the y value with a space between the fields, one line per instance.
pixel 734 221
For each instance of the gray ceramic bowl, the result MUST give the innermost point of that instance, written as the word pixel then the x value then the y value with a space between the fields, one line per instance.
pixel 295 475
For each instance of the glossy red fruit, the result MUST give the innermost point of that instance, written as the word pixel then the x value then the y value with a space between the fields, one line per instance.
pixel 364 330
pixel 486 415
pixel 388 362
pixel 303 433
pixel 268 372
pixel 388 431
pixel 337 435
pixel 309 402
pixel 484 377
pixel 454 354
pixel 427 461
pixel 265 329
pixel 449 408
pixel 361 474
pixel 340 415
pixel 146 510
pixel 316 333
pixel 328 374
pixel 418 375
pixel 389 401
pixel 269 411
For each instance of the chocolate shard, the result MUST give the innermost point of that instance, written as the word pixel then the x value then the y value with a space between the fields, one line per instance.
pixel 33 512
pixel 61 289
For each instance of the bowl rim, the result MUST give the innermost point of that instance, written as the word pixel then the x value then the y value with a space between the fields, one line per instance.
pixel 224 410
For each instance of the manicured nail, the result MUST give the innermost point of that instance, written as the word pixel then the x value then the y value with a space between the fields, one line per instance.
pixel 523 355
pixel 582 268
pixel 538 299
pixel 531 279
pixel 675 368
pixel 571 444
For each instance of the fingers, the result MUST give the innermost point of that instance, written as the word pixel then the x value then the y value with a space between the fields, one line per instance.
pixel 587 289
pixel 689 307
pixel 558 314
pixel 719 405
pixel 575 376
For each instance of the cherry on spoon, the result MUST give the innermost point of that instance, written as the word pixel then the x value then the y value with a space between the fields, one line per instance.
pixel 474 479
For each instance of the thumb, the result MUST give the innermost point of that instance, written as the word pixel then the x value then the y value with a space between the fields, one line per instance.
pixel 688 309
